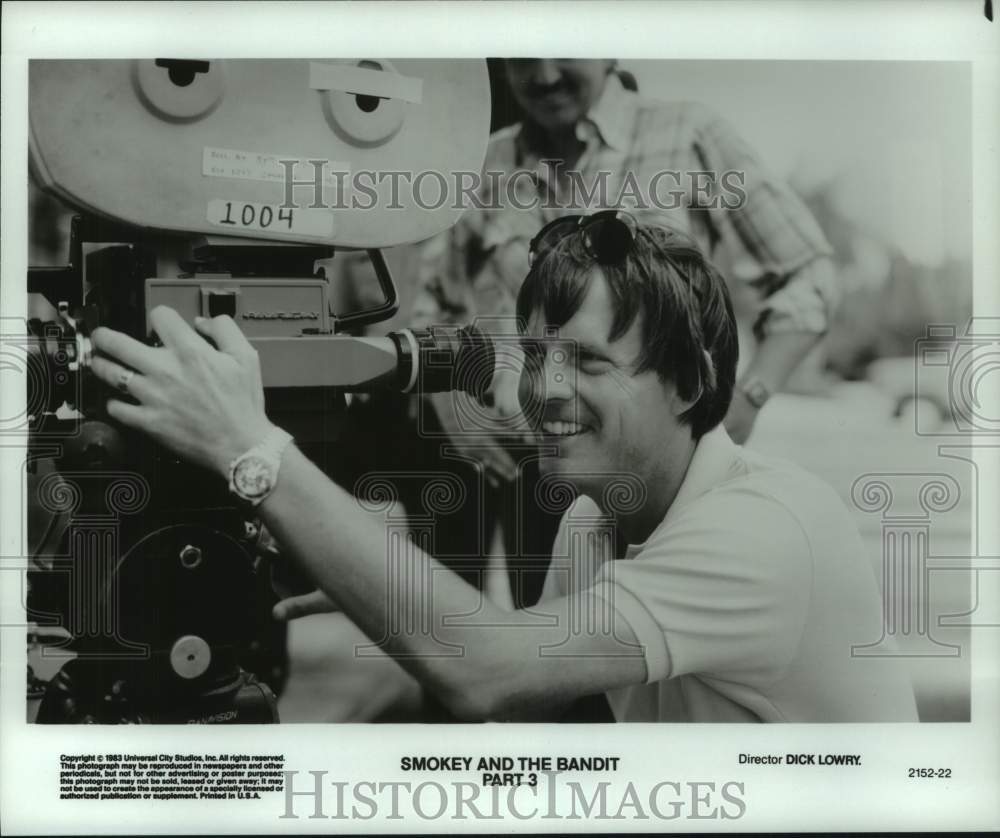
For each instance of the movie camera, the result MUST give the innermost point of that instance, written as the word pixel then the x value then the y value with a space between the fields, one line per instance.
pixel 161 583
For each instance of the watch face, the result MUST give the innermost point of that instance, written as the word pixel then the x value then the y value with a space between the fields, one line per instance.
pixel 253 477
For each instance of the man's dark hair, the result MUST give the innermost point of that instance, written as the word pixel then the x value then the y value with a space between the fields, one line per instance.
pixel 688 328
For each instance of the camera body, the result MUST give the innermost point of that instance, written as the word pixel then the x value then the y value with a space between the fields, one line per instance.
pixel 196 147
pixel 160 582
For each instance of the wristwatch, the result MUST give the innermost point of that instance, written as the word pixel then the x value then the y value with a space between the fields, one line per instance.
pixel 756 392
pixel 254 474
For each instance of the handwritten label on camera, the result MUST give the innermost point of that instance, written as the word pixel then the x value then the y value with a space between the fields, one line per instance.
pixel 242 216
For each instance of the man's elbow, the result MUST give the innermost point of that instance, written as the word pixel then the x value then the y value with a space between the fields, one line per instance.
pixel 475 702
pixel 503 701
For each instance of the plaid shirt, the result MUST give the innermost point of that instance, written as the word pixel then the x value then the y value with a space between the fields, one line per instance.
pixel 771 241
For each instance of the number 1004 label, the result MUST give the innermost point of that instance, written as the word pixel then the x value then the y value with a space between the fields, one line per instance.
pixel 242 216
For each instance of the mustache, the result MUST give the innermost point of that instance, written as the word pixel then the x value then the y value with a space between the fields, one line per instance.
pixel 536 90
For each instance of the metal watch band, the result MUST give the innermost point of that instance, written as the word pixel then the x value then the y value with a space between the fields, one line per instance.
pixel 273 444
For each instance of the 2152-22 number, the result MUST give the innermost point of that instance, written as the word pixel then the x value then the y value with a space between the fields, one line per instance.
pixel 937 773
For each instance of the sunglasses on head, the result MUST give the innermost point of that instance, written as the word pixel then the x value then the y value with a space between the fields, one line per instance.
pixel 608 235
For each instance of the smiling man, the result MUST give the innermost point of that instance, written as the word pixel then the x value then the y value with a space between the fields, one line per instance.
pixel 607 406
pixel 743 579
pixel 583 124
pixel 740 586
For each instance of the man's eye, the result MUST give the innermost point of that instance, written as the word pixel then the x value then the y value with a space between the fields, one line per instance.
pixel 590 361
pixel 532 351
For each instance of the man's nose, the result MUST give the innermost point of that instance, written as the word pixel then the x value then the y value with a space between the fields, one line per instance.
pixel 544 381
pixel 553 379
pixel 557 375
pixel 546 72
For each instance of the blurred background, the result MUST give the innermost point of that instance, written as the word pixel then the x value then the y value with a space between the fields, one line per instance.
pixel 881 154
pixel 879 151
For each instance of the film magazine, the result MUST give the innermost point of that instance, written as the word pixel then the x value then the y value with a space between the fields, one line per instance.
pixel 405 430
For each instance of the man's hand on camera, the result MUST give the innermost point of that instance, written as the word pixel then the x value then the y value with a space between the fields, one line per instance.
pixel 205 404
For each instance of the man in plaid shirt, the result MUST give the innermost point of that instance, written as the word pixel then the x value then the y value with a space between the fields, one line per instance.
pixel 607 141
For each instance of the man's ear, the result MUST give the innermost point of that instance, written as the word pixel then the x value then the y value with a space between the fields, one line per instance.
pixel 678 405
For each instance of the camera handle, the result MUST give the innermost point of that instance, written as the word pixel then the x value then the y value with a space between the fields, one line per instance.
pixel 381 312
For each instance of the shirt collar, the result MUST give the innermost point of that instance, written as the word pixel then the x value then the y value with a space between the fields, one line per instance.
pixel 715 458
pixel 609 115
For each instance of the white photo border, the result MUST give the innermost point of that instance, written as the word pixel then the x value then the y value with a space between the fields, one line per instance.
pixel 877 797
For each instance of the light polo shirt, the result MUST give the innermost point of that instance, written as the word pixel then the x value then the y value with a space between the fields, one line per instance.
pixel 749 600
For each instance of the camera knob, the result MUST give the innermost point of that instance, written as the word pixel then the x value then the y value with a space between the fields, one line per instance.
pixel 190 556
pixel 190 656
pixel 360 118
pixel 177 90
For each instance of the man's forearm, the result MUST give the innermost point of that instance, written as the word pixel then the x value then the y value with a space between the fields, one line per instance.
pixel 773 362
pixel 207 406
pixel 794 320
pixel 777 356
pixel 480 660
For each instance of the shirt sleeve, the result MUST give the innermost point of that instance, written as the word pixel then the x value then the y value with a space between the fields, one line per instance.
pixel 805 303
pixel 722 591
pixel 584 542
pixel 774 227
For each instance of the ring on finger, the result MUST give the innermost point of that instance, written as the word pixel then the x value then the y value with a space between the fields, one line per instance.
pixel 124 379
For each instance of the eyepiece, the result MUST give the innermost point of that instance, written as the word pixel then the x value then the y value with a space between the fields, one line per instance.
pixel 444 358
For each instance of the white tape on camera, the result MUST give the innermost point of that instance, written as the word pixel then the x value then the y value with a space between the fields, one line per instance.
pixel 364 81
pixel 239 216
